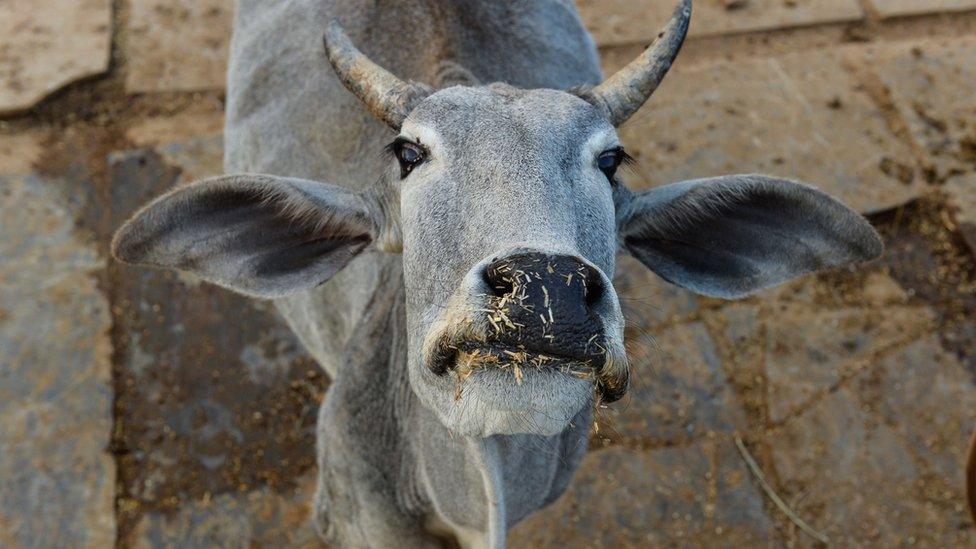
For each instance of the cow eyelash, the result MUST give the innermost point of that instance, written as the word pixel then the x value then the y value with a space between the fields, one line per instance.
pixel 408 153
pixel 626 159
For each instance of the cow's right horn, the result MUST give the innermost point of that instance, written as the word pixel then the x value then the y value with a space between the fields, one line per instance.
pixel 386 96
pixel 623 93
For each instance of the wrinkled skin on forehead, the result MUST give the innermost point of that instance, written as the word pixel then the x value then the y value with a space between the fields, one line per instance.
pixel 508 169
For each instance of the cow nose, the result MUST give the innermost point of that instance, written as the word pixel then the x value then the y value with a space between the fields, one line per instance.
pixel 549 300
pixel 559 277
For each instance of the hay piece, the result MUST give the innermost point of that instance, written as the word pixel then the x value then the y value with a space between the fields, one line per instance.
pixel 757 472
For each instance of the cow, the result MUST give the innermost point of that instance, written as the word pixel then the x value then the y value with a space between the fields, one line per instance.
pixel 437 216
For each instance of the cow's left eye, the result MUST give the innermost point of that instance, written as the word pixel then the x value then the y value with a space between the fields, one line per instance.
pixel 408 154
pixel 611 159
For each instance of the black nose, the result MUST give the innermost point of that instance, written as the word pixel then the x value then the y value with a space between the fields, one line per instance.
pixel 562 276
pixel 550 299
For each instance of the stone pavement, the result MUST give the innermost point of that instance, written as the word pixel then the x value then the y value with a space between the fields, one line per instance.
pixel 149 409
pixel 46 44
pixel 58 482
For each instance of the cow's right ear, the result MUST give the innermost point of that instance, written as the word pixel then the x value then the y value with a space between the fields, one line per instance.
pixel 259 235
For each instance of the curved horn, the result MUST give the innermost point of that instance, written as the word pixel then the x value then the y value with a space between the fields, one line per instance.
pixel 386 96
pixel 624 92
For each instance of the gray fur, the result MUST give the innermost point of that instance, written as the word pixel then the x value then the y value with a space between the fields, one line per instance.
pixel 404 459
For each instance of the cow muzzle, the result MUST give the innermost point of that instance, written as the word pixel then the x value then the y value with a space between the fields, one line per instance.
pixel 532 313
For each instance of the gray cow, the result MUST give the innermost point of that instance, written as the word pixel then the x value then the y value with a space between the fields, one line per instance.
pixel 469 322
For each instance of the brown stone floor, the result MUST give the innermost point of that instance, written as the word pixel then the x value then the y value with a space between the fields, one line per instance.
pixel 141 408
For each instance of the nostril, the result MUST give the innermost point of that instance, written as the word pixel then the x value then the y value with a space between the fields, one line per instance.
pixel 564 278
pixel 594 287
pixel 497 276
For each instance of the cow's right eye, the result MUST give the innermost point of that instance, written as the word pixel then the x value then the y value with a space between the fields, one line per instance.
pixel 611 159
pixel 408 154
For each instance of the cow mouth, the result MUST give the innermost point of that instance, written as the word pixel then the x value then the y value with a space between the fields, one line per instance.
pixel 467 357
pixel 473 355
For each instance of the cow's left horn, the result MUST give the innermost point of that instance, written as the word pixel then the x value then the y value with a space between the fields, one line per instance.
pixel 386 96
pixel 624 92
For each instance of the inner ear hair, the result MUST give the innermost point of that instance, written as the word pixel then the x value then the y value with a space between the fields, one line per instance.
pixel 298 208
pixel 691 208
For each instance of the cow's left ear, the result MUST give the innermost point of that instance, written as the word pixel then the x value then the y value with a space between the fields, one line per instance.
pixel 731 236
pixel 259 235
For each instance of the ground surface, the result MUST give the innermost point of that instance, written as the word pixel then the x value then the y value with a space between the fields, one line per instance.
pixel 148 409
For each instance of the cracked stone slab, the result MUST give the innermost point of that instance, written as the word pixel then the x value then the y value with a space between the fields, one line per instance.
pixel 695 495
pixel 800 116
pixel 808 351
pixel 19 152
pixel 679 390
pixel 201 119
pixel 177 45
pixel 962 197
pixel 259 518
pixel 896 8
pixel 614 22
pixel 932 85
pixel 785 348
pixel 197 158
pixel 737 331
pixel 961 191
pixel 925 393
pixel 46 44
pixel 880 461
pixel 58 486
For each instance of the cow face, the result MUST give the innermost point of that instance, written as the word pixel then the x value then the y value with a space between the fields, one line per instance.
pixel 508 221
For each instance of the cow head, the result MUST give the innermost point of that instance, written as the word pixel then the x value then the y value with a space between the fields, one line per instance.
pixel 506 207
